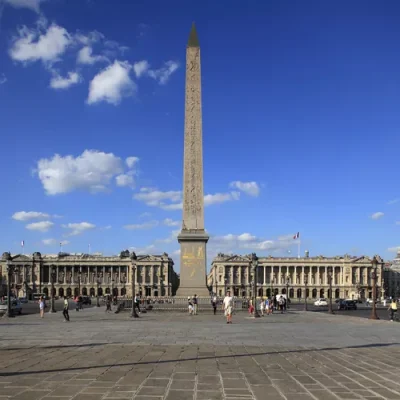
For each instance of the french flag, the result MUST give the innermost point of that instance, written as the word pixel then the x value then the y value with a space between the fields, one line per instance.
pixel 296 236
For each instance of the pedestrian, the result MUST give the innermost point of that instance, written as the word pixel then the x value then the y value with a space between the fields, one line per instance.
pixel 137 303
pixel 108 304
pixel 65 309
pixel 195 304
pixel 281 303
pixel 214 304
pixel 227 306
pixel 41 306
pixel 267 306
pixel 262 305
pixel 190 306
pixel 80 302
pixel 393 309
pixel 251 308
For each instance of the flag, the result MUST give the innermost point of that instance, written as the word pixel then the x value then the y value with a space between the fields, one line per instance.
pixel 22 243
pixel 296 236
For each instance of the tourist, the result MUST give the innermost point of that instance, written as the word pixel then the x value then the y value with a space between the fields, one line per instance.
pixel 195 304
pixel 137 303
pixel 227 306
pixel 281 303
pixel 393 309
pixel 262 305
pixel 190 306
pixel 267 306
pixel 41 306
pixel 214 304
pixel 251 308
pixel 108 304
pixel 65 309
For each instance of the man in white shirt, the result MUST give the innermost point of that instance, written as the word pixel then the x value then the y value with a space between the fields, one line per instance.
pixel 227 306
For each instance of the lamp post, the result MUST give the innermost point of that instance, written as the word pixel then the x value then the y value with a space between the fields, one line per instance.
pixel 98 288
pixel 10 271
pixel 305 290
pixel 254 264
pixel 374 263
pixel 358 288
pixel 133 278
pixel 330 309
pixel 226 283
pixel 53 277
pixel 287 292
pixel 79 283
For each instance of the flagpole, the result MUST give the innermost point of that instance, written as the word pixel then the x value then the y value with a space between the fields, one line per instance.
pixel 60 247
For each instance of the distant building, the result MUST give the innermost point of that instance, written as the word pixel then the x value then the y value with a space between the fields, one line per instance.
pixel 89 274
pixel 351 276
pixel 392 277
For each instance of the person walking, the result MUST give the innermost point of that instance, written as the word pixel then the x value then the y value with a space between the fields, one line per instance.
pixel 393 309
pixel 195 304
pixel 262 305
pixel 190 306
pixel 41 306
pixel 227 306
pixel 108 304
pixel 137 303
pixel 214 304
pixel 65 309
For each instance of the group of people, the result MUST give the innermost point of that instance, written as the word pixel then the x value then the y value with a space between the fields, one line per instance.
pixel 269 305
pixel 193 305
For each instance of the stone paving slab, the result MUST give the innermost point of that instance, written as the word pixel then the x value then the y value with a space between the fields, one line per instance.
pixel 174 356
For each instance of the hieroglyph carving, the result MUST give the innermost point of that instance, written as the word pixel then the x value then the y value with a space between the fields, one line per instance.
pixel 193 202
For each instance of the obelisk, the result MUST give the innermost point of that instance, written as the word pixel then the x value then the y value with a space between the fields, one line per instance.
pixel 193 237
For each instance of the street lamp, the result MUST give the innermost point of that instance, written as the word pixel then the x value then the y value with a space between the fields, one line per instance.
pixel 330 310
pixel 10 271
pixel 226 283
pixel 254 264
pixel 133 278
pixel 305 288
pixel 53 277
pixel 98 289
pixel 79 283
pixel 374 263
pixel 287 292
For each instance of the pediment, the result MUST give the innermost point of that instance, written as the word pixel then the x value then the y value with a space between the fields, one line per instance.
pixel 237 258
pixel 362 260
pixel 21 258
pixel 148 258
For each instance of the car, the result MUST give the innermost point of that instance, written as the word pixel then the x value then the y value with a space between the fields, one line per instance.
pixel 23 300
pixel 86 300
pixel 321 303
pixel 347 305
pixel 16 307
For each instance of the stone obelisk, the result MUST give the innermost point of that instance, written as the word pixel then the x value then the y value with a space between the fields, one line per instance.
pixel 193 237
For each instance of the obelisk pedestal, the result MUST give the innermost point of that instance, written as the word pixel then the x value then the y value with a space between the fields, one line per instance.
pixel 193 237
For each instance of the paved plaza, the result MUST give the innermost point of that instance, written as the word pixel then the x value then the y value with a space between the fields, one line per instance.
pixel 177 357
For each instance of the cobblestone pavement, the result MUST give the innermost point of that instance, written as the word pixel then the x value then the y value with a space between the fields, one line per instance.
pixel 176 357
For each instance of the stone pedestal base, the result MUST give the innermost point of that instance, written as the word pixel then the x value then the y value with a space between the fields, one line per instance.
pixel 193 264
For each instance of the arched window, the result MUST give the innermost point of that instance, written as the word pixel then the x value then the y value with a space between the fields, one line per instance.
pixel 322 293
pixel 100 291
pixel 84 291
pixel 61 292
pixel 268 292
pixel 108 290
pixel 123 292
pixel 92 292
pixel 76 292
pixel 283 291
pixel 337 293
pixel 69 292
pixel 314 293
pixel 291 293
pixel 299 293
pixel 260 292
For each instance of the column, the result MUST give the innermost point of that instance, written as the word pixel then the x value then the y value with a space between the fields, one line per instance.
pixel 265 275
pixel 302 277
pixel 119 275
pixel 232 273
pixel 279 275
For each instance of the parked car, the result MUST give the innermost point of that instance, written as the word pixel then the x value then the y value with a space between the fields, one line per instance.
pixel 321 302
pixel 15 307
pixel 347 305
pixel 23 300
pixel 86 300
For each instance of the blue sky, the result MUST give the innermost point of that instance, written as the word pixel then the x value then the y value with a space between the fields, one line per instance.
pixel 300 125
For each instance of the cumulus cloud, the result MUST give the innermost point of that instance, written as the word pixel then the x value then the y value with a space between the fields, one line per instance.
pixel 124 180
pixel 131 161
pixel 59 82
pixel 52 242
pixel 85 56
pixel 112 84
pixel 171 238
pixel 145 225
pixel 250 188
pixel 218 198
pixel 394 249
pixel 144 250
pixel 33 5
pixel 92 170
pixel 42 226
pixel 78 228
pixel 171 222
pixel 377 215
pixel 28 215
pixel 140 68
pixel 32 45
pixel 156 198
pixel 163 74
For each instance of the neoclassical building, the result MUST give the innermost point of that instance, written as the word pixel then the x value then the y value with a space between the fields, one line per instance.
pixel 392 277
pixel 351 276
pixel 89 274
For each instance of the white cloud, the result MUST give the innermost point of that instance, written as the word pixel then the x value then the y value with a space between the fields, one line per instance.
pixel 163 74
pixel 85 56
pixel 176 252
pixel 52 242
pixel 250 188
pixel 78 228
pixel 42 226
pixel 377 215
pixel 3 79
pixel 145 215
pixel 112 84
pixel 171 238
pixel 171 222
pixel 58 82
pixel 28 215
pixel 31 45
pixel 125 179
pixel 90 38
pixel 217 198
pixel 394 201
pixel 144 250
pixel 156 198
pixel 33 5
pixel 131 161
pixel 394 249
pixel 140 68
pixel 92 171
pixel 145 225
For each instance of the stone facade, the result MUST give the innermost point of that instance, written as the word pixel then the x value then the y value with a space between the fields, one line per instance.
pixel 392 277
pixel 351 276
pixel 78 274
